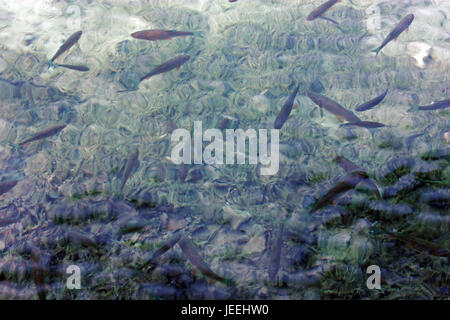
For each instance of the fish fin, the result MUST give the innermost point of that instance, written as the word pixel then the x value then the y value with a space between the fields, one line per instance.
pixel 395 39
pixel 170 38
pixel 340 119
pixel 321 112
pixel 184 36
pixel 376 51
pixel 295 106
pixel 329 20
pixel 126 90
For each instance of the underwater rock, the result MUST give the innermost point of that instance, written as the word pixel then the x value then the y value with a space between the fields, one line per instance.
pixel 347 246
pixel 316 86
pixel 235 217
pixel 16 270
pixel 420 52
pixel 130 80
pixel 439 198
pixel 11 291
pixel 404 185
pixel 437 154
pixel 433 224
pixel 256 245
pixel 261 103
pixel 201 291
pixel 398 167
pixel 390 210
pixel 158 291
pixel 428 171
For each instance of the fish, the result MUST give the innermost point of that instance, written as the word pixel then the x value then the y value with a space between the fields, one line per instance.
pixel 169 244
pixel 7 221
pixel 372 103
pixel 68 44
pixel 346 164
pixel 131 165
pixel 154 35
pixel 276 253
pixel 191 252
pixel 44 134
pixel 348 183
pixel 320 10
pixel 286 110
pixel 167 66
pixel 6 186
pixel 420 244
pixel 435 106
pixel 333 107
pixel 350 167
pixel 399 28
pixel 364 124
pixel 81 239
pixel 73 67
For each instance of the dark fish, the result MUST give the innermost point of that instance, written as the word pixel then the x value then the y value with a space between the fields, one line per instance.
pixel 7 221
pixel 6 186
pixel 38 272
pixel 435 106
pixel 399 28
pixel 191 252
pixel 346 164
pixel 79 238
pixel 276 254
pixel 153 35
pixel 350 167
pixel 44 134
pixel 68 44
pixel 286 110
pixel 167 66
pixel 349 182
pixel 409 140
pixel 78 68
pixel 372 103
pixel 164 248
pixel 364 124
pixel 420 244
pixel 319 11
pixel 131 165
pixel 333 107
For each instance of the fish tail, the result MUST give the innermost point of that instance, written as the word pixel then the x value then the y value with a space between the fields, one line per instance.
pixel 49 64
pixel 377 50
pixel 413 108
pixel 15 146
pixel 198 34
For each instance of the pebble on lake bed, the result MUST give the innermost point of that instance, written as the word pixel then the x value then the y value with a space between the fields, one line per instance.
pixel 421 52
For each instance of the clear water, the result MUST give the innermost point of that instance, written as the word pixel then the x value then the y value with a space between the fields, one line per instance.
pixel 246 59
